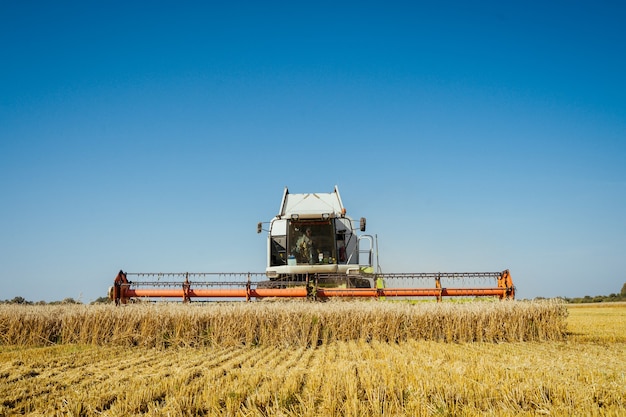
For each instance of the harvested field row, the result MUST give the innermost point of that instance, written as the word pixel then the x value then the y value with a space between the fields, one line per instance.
pixel 289 324
pixel 354 378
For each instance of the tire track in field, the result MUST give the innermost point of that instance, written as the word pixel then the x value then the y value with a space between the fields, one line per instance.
pixel 304 361
pixel 218 364
pixel 49 379
pixel 285 384
pixel 102 380
pixel 188 382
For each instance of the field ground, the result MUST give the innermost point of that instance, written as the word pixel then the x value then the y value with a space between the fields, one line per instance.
pixel 582 375
pixel 602 322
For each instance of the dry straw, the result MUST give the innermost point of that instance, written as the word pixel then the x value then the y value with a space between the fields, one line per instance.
pixel 289 324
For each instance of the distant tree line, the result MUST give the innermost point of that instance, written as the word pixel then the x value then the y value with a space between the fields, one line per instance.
pixel 599 298
pixel 22 300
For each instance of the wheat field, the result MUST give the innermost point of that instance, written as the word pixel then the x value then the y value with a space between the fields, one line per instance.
pixel 76 371
pixel 289 324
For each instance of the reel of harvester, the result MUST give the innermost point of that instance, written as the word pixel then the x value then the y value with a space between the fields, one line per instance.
pixel 186 286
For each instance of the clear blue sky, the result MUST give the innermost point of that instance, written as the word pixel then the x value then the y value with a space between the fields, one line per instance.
pixel 153 137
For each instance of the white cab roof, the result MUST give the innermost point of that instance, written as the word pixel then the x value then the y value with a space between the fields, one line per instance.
pixel 311 204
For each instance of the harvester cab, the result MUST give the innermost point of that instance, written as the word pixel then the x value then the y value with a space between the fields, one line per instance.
pixel 313 237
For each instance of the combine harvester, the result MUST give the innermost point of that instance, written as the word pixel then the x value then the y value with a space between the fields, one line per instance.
pixel 313 251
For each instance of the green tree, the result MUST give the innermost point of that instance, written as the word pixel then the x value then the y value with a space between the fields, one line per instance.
pixel 624 290
pixel 101 300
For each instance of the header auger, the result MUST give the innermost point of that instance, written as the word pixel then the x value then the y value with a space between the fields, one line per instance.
pixel 313 251
pixel 248 286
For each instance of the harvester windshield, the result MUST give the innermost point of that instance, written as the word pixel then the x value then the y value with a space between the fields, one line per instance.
pixel 312 242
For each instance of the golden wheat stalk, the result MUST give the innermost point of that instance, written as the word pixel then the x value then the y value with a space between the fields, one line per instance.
pixel 295 324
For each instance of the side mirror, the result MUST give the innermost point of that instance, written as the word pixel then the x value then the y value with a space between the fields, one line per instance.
pixel 362 224
pixel 259 227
